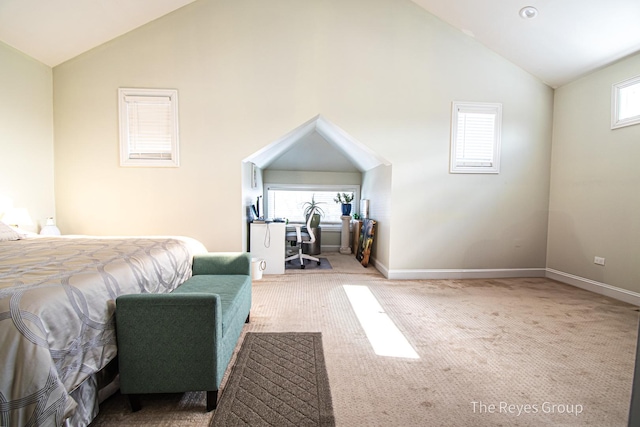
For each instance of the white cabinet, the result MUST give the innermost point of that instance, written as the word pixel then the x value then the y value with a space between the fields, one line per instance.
pixel 267 242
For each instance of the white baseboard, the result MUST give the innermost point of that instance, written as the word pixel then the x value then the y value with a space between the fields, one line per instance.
pixel 594 286
pixel 408 274
pixel 620 294
pixel 380 267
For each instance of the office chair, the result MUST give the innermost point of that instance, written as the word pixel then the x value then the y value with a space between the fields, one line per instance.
pixel 302 237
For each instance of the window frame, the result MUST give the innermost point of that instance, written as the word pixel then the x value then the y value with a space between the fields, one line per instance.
pixel 616 122
pixel 335 188
pixel 476 107
pixel 150 94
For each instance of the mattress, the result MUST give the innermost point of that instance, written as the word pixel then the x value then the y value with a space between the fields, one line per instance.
pixel 57 304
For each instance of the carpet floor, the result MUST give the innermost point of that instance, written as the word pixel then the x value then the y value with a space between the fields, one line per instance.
pixel 491 352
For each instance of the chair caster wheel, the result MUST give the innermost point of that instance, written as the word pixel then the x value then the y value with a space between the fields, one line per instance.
pixel 302 266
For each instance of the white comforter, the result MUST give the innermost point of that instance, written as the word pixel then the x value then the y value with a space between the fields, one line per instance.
pixel 57 302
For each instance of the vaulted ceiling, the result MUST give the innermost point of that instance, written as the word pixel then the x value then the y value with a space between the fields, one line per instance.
pixel 567 38
pixel 317 145
pixel 54 31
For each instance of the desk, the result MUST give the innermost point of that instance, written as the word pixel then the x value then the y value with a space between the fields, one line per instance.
pixel 267 241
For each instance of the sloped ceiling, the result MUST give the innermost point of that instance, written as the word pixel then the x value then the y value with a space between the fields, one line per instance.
pixel 567 39
pixel 295 150
pixel 54 31
pixel 313 153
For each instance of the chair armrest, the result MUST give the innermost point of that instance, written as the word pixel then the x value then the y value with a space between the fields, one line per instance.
pixel 222 263
pixel 167 342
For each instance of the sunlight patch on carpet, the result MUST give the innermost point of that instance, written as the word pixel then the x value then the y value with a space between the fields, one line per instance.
pixel 384 336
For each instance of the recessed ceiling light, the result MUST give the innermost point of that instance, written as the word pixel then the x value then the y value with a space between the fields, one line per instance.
pixel 528 12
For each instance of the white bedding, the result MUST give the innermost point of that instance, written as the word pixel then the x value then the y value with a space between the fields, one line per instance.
pixel 57 301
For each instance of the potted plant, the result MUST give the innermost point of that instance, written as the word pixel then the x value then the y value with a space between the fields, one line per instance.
pixel 345 200
pixel 309 207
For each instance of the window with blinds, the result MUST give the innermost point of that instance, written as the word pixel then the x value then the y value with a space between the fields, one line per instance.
pixel 475 137
pixel 625 103
pixel 288 201
pixel 148 127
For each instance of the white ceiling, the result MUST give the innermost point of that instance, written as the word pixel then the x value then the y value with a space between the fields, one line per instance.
pixel 568 39
pixel 317 143
pixel 313 152
pixel 53 31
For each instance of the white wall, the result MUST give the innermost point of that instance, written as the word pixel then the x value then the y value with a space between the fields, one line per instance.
pixel 247 72
pixel 595 181
pixel 26 134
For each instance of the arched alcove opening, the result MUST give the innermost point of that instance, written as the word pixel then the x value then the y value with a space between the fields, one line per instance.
pixel 320 153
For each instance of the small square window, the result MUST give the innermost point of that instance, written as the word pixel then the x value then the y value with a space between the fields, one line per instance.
pixel 148 127
pixel 625 103
pixel 475 137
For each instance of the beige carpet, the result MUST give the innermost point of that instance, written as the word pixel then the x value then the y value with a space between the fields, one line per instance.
pixel 503 344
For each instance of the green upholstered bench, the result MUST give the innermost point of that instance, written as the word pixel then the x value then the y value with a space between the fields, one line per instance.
pixel 184 340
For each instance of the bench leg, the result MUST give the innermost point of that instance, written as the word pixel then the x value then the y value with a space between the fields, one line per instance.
pixel 134 402
pixel 212 400
pixel 248 315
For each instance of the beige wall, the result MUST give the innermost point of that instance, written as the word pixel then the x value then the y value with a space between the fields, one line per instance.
pixel 312 177
pixel 26 134
pixel 595 182
pixel 250 192
pixel 385 71
pixel 376 187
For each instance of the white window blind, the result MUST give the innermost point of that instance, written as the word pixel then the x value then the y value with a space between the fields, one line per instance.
pixel 287 201
pixel 625 100
pixel 475 137
pixel 149 130
pixel 148 127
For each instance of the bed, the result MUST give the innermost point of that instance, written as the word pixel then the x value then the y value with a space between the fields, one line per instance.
pixel 57 337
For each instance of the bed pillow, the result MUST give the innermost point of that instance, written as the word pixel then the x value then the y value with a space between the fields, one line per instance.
pixel 7 233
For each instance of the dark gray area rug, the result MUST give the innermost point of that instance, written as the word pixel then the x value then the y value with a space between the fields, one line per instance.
pixel 278 379
pixel 308 264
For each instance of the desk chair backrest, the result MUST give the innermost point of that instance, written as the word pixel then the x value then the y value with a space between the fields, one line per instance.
pixel 312 235
pixel 300 240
